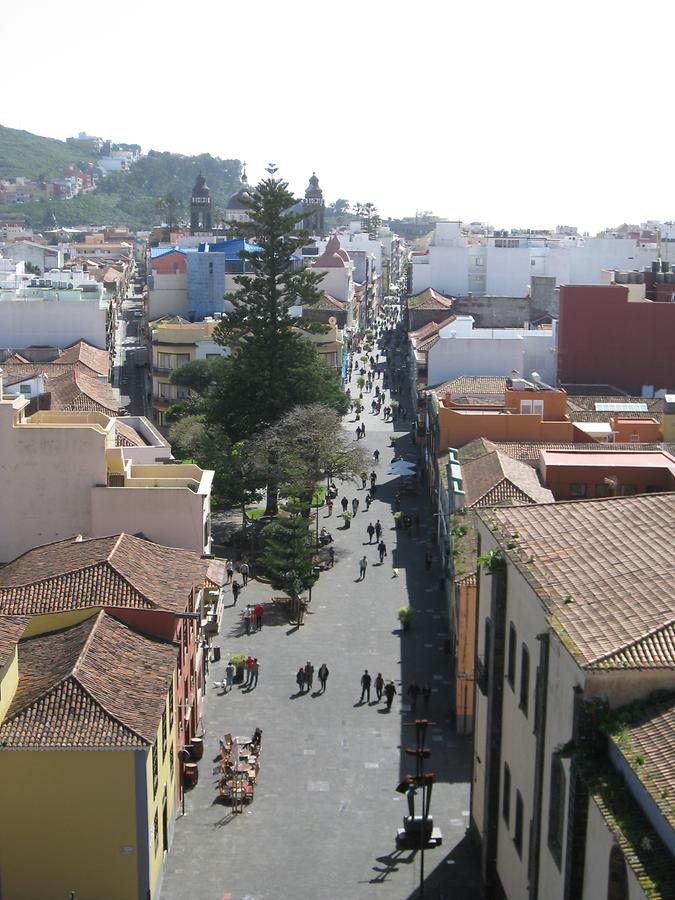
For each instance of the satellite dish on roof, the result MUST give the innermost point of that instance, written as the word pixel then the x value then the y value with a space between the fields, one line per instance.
pixel 332 320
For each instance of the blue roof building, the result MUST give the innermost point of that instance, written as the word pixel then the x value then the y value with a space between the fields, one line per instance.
pixel 207 269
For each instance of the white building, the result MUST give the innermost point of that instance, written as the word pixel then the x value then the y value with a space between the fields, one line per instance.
pixel 460 262
pixel 39 255
pixel 67 473
pixel 54 317
pixel 462 349
pixel 575 620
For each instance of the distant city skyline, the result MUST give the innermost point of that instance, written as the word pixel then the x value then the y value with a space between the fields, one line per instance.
pixel 533 115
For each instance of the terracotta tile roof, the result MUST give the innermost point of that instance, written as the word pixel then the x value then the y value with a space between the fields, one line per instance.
pixel 95 684
pixel 427 344
pixel 425 331
pixel 327 301
pixel 126 436
pixel 85 354
pixel 652 738
pixel 530 451
pixel 605 572
pixel 491 478
pixel 472 386
pixel 430 299
pixel 121 570
pixel 10 632
pixel 74 390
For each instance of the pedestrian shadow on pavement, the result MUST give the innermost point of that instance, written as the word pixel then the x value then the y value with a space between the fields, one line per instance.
pixel 390 864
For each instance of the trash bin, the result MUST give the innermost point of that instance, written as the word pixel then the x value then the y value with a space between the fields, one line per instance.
pixel 216 654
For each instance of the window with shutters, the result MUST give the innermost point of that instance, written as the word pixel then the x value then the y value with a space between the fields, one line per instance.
pixel 556 809
pixel 506 795
pixel 523 702
pixel 511 662
pixel 518 829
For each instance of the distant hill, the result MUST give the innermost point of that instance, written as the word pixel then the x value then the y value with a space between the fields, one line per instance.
pixel 122 198
pixel 22 153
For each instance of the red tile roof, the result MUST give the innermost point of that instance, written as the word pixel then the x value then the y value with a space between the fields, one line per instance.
pixel 10 632
pixel 604 570
pixel 95 684
pixel 121 570
pixel 430 299
pixel 491 478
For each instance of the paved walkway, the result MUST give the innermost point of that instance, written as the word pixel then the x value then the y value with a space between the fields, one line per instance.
pixel 325 814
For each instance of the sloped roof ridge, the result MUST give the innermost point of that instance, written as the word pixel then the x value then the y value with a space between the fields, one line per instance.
pixel 639 641
pixel 59 685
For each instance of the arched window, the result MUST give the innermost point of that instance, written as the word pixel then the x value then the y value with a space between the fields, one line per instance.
pixel 617 881
pixel 556 809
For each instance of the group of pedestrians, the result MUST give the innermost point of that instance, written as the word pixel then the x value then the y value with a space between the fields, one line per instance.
pixel 244 570
pixel 251 672
pixel 388 688
pixel 305 677
pixel 253 617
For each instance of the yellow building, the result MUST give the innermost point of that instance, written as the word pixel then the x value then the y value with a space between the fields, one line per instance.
pixel 87 760
pixel 176 342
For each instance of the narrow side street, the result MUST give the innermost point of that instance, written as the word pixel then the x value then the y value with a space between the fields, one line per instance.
pixel 325 814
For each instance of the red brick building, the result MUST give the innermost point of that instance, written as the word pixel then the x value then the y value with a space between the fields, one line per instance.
pixel 605 339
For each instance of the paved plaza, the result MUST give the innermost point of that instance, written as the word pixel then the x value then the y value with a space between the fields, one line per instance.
pixel 325 814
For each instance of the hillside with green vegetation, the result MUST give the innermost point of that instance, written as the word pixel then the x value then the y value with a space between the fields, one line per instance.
pixel 122 198
pixel 33 156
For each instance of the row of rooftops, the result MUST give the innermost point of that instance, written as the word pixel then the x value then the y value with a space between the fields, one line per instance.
pixel 98 683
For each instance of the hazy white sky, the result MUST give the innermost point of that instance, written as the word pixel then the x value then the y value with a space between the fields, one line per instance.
pixel 521 113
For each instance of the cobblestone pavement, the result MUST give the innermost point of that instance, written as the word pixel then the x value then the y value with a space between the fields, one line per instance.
pixel 324 819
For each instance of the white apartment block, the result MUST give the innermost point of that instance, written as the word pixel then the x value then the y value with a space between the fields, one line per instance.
pixel 460 262
pixel 462 350
pixel 55 316
pixel 68 473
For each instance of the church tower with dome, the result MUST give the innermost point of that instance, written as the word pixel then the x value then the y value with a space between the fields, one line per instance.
pixel 235 211
pixel 313 207
pixel 200 207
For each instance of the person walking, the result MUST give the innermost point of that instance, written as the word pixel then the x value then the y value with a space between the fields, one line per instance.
pixel 426 694
pixel 358 432
pixel 329 504
pixel 379 686
pixel 371 531
pixel 378 530
pixel 363 565
pixel 365 686
pixel 229 676
pixel 363 429
pixel 230 571
pixel 255 671
pixel 390 692
pixel 369 500
pixel 413 692
pixel 258 613
pixel 382 550
pixel 300 679
pixel 323 674
pixel 364 477
pixel 373 478
pixel 309 675
pixel 244 569
pixel 355 505
pixel 235 591
pixel 376 456
pixel 247 616
pixel 345 504
pixel 331 556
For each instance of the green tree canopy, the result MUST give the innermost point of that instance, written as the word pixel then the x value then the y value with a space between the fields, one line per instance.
pixel 287 557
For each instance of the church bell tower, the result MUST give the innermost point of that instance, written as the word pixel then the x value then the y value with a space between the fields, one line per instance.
pixel 200 207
